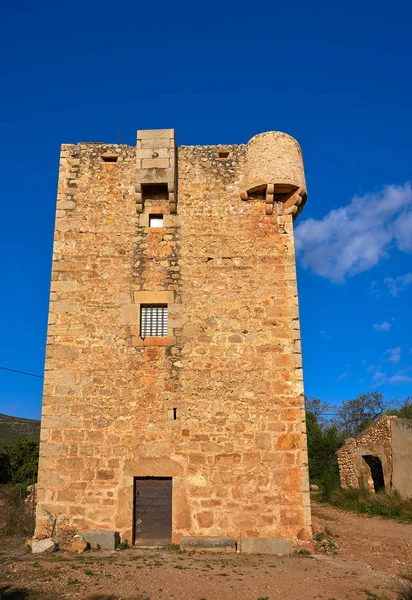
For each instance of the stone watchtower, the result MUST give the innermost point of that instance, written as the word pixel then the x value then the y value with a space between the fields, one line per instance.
pixel 173 399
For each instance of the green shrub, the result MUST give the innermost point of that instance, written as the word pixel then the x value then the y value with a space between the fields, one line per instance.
pixel 329 481
pixel 123 545
pixel 19 462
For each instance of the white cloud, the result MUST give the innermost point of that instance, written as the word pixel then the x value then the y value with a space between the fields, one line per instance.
pixel 399 379
pixel 385 326
pixel 398 284
pixel 325 334
pixel 355 237
pixel 380 377
pixel 342 377
pixel 392 355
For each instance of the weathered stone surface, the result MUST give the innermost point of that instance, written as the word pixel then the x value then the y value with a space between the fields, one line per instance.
pixel 78 544
pixel 217 404
pixel 106 540
pixel 401 436
pixel 46 546
pixel 280 546
pixel 208 544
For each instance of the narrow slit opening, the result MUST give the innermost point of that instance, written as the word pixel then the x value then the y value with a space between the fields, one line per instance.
pixel 174 414
pixel 109 158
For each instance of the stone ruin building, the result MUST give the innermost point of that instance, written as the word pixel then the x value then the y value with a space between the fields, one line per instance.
pixel 380 458
pixel 173 403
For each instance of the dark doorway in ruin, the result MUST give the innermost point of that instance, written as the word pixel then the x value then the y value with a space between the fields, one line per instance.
pixel 375 465
pixel 152 521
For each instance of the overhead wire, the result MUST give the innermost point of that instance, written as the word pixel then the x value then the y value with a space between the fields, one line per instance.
pixel 21 372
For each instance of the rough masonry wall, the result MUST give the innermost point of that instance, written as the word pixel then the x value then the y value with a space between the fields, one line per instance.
pixel 91 366
pixel 230 365
pixel 375 440
pixel 401 433
pixel 243 424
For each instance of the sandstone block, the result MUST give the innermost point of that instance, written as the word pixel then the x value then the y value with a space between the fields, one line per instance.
pixel 63 286
pixel 156 143
pixel 64 307
pixel 155 163
pixel 144 134
pixel 63 377
pixel 279 546
pixel 205 518
pixel 131 314
pixel 105 540
pixel 78 544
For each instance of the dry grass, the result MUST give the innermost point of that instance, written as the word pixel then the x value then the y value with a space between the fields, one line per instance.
pixel 16 516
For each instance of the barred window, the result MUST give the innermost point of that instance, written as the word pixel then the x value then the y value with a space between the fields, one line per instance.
pixel 153 320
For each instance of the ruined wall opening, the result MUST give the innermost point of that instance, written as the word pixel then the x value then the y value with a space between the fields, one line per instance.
pixel 152 518
pixel 375 465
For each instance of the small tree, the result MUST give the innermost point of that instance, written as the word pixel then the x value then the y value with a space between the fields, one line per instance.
pixel 4 466
pixel 353 416
pixel 319 408
pixel 404 411
pixel 322 444
pixel 23 457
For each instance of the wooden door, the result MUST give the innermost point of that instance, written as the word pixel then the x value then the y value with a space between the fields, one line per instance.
pixel 152 510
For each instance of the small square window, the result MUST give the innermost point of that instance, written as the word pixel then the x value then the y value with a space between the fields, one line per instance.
pixel 153 320
pixel 155 220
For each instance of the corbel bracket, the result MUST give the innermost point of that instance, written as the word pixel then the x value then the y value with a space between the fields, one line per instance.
pixel 172 198
pixel 292 201
pixel 139 198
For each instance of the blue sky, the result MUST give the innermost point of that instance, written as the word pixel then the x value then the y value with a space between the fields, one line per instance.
pixel 334 75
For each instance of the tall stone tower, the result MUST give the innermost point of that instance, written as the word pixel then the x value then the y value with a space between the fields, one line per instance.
pixel 173 399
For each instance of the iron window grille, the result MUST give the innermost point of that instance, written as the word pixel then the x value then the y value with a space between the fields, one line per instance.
pixel 153 320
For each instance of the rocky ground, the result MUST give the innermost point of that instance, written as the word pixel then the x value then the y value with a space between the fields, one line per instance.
pixel 358 558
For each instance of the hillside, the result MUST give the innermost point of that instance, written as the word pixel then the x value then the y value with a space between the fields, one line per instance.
pixel 13 428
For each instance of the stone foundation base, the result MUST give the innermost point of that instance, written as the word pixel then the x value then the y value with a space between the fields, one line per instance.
pixel 104 540
pixel 208 544
pixel 278 546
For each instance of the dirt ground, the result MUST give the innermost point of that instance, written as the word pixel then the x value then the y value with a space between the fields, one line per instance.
pixel 371 554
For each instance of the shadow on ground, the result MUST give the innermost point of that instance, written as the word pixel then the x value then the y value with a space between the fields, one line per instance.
pixel 8 592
